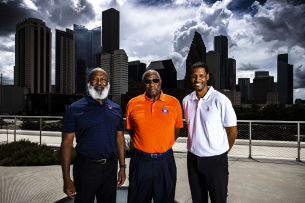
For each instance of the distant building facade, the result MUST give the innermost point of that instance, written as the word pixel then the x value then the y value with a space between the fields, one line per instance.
pixel 135 71
pixel 111 30
pixel 197 53
pixel 12 99
pixel 234 96
pixel 284 79
pixel 221 47
pixel 65 62
pixel 232 74
pixel 244 87
pixel 116 66
pixel 33 56
pixel 213 63
pixel 262 85
pixel 87 45
pixel 167 71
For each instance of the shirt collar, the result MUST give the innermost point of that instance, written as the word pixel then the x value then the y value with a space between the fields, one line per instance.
pixel 91 100
pixel 206 96
pixel 161 98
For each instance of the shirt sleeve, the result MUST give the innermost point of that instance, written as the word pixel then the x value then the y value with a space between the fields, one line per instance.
pixel 228 115
pixel 179 119
pixel 69 122
pixel 128 126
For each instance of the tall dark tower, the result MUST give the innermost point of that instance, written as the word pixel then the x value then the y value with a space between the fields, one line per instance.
pixel 197 53
pixel 232 74
pixel 87 45
pixel 65 62
pixel 167 71
pixel 110 30
pixel 284 79
pixel 33 56
pixel 221 47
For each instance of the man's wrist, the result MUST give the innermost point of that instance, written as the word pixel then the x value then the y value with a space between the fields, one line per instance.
pixel 123 166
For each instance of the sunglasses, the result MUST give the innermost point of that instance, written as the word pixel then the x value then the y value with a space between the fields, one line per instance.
pixel 156 80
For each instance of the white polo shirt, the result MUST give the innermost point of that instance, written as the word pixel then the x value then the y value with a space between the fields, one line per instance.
pixel 206 119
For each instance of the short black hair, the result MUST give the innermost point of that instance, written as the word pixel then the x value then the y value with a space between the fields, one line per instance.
pixel 200 64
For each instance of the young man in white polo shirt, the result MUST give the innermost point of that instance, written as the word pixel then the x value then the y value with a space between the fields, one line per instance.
pixel 212 129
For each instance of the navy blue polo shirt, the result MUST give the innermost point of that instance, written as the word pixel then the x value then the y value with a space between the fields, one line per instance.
pixel 95 127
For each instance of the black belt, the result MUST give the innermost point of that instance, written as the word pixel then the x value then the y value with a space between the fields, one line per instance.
pixel 98 161
pixel 153 155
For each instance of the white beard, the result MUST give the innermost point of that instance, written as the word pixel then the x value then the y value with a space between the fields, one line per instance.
pixel 98 95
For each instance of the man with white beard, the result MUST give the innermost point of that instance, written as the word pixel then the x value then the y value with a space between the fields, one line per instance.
pixel 96 122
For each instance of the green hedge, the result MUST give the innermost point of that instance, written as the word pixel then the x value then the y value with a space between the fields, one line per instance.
pixel 26 153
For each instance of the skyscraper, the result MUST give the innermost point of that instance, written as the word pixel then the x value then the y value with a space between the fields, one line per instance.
pixel 135 71
pixel 232 74
pixel 197 53
pixel 33 56
pixel 116 66
pixel 262 85
pixel 244 86
pixel 213 63
pixel 65 62
pixel 284 79
pixel 119 74
pixel 87 45
pixel 167 71
pixel 111 30
pixel 221 47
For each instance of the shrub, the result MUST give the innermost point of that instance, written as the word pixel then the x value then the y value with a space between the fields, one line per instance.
pixel 26 153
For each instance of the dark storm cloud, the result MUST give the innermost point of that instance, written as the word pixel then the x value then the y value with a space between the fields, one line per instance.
pixel 10 14
pixel 244 6
pixel 153 2
pixel 64 13
pixel 7 48
pixel 299 74
pixel 285 24
pixel 58 12
pixel 248 67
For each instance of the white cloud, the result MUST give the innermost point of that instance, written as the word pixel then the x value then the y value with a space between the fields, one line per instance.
pixel 29 4
pixel 7 62
pixel 160 32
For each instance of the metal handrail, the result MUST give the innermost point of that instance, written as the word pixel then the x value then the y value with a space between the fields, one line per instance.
pixel 250 122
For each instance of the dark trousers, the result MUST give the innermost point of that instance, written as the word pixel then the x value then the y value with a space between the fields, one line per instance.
pixel 95 179
pixel 152 178
pixel 208 176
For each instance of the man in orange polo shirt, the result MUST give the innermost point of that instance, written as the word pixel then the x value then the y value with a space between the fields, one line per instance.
pixel 154 120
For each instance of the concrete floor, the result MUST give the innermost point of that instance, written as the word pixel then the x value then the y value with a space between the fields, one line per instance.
pixel 249 181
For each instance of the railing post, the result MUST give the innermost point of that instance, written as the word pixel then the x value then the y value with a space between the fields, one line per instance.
pixel 299 143
pixel 250 140
pixel 15 129
pixel 40 126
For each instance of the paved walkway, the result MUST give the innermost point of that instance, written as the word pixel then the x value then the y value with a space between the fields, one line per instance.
pixel 250 181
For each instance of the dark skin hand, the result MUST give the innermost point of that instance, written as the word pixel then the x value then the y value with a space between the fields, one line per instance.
pixel 66 151
pixel 121 153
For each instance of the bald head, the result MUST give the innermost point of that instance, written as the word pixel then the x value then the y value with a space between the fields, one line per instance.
pixel 95 71
pixel 150 72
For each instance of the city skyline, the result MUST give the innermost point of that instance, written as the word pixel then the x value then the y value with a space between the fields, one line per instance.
pixel 158 30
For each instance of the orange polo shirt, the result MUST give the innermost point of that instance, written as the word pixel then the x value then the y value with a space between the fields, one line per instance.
pixel 153 123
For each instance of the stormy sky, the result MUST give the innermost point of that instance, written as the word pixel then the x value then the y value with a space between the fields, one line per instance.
pixel 160 29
